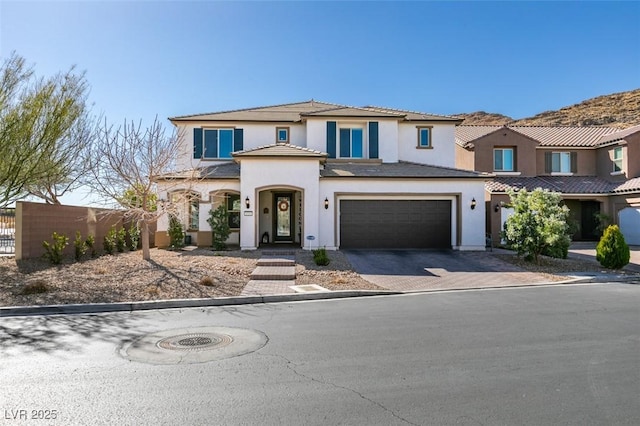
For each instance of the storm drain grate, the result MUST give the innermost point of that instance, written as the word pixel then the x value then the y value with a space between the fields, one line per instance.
pixel 193 345
pixel 195 342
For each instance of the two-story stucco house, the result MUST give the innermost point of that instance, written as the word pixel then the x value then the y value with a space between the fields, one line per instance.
pixel 597 170
pixel 316 174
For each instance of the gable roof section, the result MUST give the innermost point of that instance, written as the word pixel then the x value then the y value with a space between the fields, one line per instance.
pixel 546 136
pixel 401 169
pixel 352 112
pixel 415 115
pixel 295 112
pixel 278 113
pixel 280 150
pixel 613 137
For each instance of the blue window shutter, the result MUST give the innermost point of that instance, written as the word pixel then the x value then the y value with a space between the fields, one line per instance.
pixel 373 139
pixel 331 139
pixel 238 140
pixel 197 143
pixel 210 143
pixel 345 142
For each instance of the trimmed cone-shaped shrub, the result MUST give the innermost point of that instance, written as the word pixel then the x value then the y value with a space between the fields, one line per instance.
pixel 612 251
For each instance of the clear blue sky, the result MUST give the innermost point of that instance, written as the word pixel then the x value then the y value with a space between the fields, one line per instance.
pixel 162 58
pixel 173 58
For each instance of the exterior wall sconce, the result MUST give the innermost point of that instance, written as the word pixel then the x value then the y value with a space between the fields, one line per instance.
pixel 247 203
pixel 473 203
pixel 497 208
pixel 326 203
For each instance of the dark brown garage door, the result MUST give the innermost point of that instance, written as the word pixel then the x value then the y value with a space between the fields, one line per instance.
pixel 395 224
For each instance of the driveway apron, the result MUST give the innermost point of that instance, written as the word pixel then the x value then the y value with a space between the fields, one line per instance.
pixel 418 270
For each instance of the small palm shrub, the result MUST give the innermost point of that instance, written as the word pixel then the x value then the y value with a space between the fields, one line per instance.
pixel 320 257
pixel 53 251
pixel 612 251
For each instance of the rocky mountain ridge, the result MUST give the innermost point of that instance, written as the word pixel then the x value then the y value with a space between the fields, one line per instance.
pixel 621 110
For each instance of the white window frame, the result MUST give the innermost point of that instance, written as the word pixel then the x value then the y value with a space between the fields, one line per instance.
pixel 617 161
pixel 512 159
pixel 560 156
pixel 429 130
pixel 218 150
pixel 365 140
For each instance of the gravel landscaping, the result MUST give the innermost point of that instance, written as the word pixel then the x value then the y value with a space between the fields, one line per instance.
pixel 198 273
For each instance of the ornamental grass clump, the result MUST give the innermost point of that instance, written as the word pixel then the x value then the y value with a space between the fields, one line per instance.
pixel 612 251
pixel 320 257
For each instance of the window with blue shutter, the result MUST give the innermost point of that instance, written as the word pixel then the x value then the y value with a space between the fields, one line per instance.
pixel 373 139
pixel 238 140
pixel 331 139
pixel 197 143
pixel 345 143
pixel 217 143
pixel 351 143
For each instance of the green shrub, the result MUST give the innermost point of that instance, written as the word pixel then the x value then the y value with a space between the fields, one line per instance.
pixel 176 233
pixel 91 245
pixel 219 222
pixel 134 236
pixel 109 243
pixel 80 246
pixel 560 250
pixel 612 251
pixel 320 257
pixel 539 224
pixel 121 240
pixel 53 252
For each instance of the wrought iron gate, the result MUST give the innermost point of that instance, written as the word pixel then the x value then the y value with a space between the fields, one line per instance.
pixel 7 231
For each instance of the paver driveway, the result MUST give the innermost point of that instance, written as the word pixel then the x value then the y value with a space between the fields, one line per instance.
pixel 415 270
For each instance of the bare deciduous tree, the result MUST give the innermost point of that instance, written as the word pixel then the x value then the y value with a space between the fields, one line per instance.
pixel 125 163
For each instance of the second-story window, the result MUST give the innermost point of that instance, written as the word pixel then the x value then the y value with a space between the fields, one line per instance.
pixel 503 160
pixel 351 142
pixel 218 143
pixel 617 159
pixel 424 137
pixel 282 134
pixel 560 162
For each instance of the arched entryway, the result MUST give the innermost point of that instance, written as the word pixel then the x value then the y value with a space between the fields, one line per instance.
pixel 280 216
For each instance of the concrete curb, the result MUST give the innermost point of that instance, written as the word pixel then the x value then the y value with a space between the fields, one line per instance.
pixel 95 308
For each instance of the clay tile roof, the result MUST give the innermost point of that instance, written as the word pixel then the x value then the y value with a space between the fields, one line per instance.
pixel 278 113
pixel 401 169
pixel 564 136
pixel 279 150
pixel 612 137
pixel 465 135
pixel 631 185
pixel 586 136
pixel 351 112
pixel 414 115
pixel 564 184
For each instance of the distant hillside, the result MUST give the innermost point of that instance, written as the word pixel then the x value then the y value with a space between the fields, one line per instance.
pixel 481 117
pixel 620 110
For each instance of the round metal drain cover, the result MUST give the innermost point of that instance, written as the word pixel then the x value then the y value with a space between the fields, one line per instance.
pixel 193 345
pixel 195 342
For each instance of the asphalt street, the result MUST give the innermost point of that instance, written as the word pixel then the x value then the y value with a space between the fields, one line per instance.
pixel 531 356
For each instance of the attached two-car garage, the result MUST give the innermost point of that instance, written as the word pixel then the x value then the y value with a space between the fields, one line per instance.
pixel 388 224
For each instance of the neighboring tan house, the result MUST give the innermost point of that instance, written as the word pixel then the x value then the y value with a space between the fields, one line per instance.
pixel 314 174
pixel 597 170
